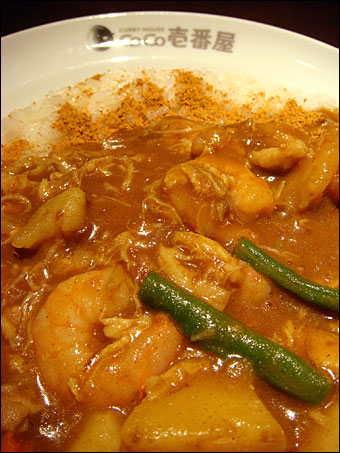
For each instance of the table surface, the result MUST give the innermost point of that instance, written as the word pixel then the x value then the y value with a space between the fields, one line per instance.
pixel 317 19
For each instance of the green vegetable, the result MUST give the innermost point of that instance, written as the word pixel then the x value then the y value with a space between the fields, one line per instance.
pixel 319 295
pixel 223 335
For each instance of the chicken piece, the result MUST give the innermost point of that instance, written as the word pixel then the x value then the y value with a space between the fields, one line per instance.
pixel 207 140
pixel 319 346
pixel 16 406
pixel 323 349
pixel 325 435
pixel 64 214
pixel 17 184
pixel 179 134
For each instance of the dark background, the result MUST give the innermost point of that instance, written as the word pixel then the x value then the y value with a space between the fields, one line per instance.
pixel 318 19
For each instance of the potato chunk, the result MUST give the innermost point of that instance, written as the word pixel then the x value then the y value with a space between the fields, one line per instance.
pixel 100 432
pixel 64 214
pixel 211 413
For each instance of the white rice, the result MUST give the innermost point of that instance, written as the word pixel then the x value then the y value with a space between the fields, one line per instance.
pixel 34 122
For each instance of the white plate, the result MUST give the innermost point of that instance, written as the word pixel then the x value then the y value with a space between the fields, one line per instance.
pixel 52 56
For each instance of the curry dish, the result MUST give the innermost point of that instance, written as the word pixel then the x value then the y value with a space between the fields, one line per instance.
pixel 87 366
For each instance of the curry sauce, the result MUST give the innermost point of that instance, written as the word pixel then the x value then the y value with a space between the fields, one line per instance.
pixel 82 227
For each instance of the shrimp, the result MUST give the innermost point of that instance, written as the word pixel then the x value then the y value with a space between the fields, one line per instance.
pixel 280 158
pixel 275 147
pixel 306 183
pixel 205 269
pixel 248 196
pixel 71 340
pixel 214 194
pixel 253 287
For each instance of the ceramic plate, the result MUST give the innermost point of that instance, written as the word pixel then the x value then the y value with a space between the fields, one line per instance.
pixel 52 56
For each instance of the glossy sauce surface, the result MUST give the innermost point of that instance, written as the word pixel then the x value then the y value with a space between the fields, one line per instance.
pixel 130 213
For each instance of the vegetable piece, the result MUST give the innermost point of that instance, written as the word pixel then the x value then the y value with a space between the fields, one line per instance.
pixel 220 333
pixel 210 413
pixel 319 295
pixel 100 432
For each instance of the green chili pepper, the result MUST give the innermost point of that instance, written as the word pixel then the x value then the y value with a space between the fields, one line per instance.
pixel 319 295
pixel 218 332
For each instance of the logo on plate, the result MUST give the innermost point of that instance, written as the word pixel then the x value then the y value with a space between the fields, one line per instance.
pixel 100 38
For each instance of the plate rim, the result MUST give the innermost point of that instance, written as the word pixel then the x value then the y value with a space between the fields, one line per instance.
pixel 65 28
pixel 269 27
